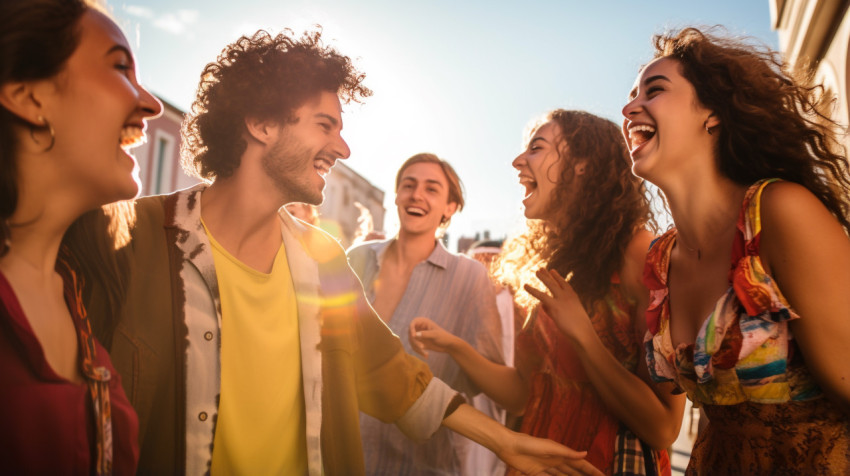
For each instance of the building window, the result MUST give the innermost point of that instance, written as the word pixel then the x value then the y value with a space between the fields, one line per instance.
pixel 162 175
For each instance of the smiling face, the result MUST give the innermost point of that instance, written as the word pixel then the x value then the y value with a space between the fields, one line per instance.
pixel 306 149
pixel 665 125
pixel 98 110
pixel 539 168
pixel 422 199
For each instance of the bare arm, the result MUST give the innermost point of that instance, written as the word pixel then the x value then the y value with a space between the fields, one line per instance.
pixel 526 453
pixel 505 385
pixel 806 251
pixel 650 410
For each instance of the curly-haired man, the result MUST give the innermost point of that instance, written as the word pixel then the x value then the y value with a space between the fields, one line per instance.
pixel 246 343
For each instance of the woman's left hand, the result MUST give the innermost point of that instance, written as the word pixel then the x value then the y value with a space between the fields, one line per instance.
pixel 563 306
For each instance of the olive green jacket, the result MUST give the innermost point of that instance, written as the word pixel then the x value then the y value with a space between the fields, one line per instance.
pixel 167 346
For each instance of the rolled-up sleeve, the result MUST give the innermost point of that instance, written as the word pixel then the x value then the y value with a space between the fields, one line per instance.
pixel 426 414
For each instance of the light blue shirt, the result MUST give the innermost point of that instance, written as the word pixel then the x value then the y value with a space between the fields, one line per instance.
pixel 455 292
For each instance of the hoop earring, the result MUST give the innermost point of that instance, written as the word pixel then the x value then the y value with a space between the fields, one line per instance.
pixel 49 129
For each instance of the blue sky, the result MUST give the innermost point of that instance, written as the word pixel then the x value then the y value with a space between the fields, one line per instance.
pixel 456 78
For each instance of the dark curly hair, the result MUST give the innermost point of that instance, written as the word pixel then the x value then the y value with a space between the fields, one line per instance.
pixel 261 76
pixel 589 236
pixel 773 121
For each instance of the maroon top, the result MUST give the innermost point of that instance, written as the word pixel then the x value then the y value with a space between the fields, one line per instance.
pixel 47 423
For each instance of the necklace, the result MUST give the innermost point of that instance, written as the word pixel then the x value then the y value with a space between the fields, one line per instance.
pixel 698 249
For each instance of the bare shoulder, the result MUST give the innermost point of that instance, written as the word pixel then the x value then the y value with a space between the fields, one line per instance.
pixel 784 202
pixel 796 225
pixel 790 212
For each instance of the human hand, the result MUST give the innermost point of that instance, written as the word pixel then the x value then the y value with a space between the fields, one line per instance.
pixel 563 306
pixel 424 334
pixel 531 455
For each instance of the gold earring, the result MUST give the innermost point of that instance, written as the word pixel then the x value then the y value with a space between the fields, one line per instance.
pixel 49 129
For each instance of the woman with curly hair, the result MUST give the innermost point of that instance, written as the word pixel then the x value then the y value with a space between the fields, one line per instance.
pixel 71 109
pixel 579 377
pixel 749 303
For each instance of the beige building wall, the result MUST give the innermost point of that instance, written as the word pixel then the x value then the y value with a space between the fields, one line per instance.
pixel 815 34
pixel 344 187
pixel 159 158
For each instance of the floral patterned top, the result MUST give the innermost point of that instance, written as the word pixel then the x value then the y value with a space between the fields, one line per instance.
pixel 744 351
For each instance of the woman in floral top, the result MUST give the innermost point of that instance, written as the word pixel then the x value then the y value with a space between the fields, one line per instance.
pixel 748 305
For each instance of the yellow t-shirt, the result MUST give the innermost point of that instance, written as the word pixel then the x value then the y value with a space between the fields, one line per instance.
pixel 261 418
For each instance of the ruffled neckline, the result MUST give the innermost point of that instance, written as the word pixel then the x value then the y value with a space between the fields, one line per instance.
pixel 753 300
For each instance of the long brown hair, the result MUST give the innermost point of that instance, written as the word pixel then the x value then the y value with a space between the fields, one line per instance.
pixel 773 121
pixel 95 247
pixel 604 209
pixel 36 39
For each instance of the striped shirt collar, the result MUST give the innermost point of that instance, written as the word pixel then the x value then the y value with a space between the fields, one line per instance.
pixel 439 257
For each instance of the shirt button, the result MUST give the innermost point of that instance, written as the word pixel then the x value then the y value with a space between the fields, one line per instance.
pixel 202 416
pixel 208 335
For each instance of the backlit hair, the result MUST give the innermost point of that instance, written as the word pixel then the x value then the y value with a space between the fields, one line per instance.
pixel 595 217
pixel 455 185
pixel 261 77
pixel 773 121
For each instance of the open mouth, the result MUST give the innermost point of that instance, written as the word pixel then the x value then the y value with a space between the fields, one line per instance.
pixel 415 211
pixel 640 134
pixel 529 183
pixel 132 136
pixel 323 166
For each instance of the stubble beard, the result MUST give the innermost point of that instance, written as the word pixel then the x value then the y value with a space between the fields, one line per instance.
pixel 288 166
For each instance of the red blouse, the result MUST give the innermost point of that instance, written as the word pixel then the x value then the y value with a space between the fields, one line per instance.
pixel 47 423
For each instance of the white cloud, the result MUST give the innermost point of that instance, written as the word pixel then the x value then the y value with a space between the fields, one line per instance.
pixel 178 22
pixel 188 16
pixel 169 23
pixel 137 11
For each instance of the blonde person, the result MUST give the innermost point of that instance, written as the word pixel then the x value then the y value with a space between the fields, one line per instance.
pixel 410 275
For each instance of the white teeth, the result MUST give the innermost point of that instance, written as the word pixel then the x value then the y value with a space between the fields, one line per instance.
pixel 640 134
pixel 527 181
pixel 322 166
pixel 132 136
pixel 415 211
pixel 642 128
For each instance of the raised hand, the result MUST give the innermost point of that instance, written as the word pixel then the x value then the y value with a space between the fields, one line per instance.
pixel 424 335
pixel 563 306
